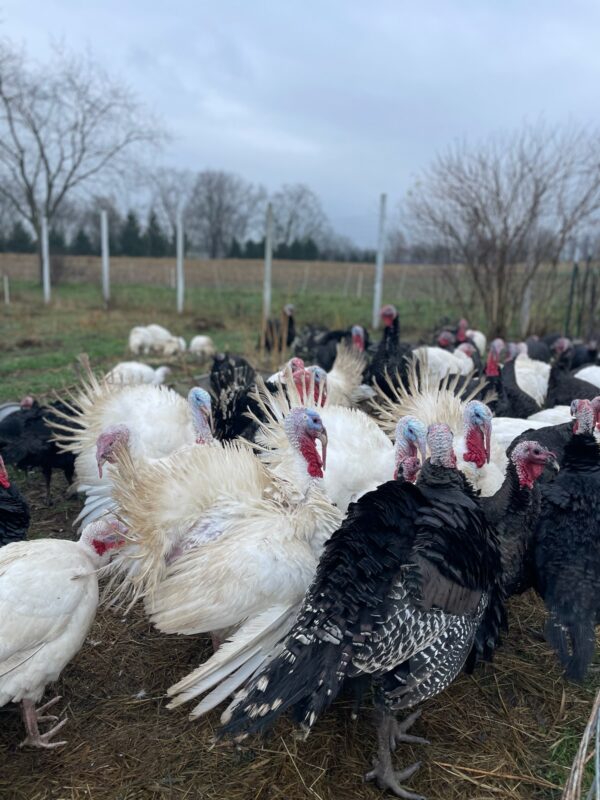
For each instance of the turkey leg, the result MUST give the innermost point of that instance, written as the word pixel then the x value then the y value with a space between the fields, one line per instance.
pixel 31 718
pixel 389 733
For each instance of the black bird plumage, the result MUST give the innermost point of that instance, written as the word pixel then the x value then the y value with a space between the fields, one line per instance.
pixel 26 441
pixel 14 511
pixel 405 589
pixel 567 554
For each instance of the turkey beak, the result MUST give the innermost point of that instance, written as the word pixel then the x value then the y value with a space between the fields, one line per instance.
pixel 322 437
pixel 552 461
pixel 487 433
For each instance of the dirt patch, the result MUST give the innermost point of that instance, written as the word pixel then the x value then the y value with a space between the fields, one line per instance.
pixel 509 731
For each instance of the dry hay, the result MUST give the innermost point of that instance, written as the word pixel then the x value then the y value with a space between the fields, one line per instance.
pixel 509 731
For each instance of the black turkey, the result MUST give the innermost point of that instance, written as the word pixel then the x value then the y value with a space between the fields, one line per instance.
pixel 567 548
pixel 399 595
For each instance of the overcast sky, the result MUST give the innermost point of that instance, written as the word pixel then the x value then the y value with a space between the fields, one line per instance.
pixel 349 97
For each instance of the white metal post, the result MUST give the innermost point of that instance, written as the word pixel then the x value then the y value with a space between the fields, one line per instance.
pixel 268 265
pixel 6 290
pixel 105 257
pixel 180 271
pixel 378 288
pixel 45 261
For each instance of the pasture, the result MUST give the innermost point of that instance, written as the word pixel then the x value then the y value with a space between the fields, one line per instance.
pixel 508 731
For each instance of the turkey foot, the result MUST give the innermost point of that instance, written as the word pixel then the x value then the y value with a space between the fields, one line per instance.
pixel 31 718
pixel 389 733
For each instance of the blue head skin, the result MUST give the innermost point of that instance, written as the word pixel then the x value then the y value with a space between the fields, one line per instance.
pixel 200 404
pixel 411 440
pixel 478 433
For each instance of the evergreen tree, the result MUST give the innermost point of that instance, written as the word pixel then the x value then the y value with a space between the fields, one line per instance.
pixel 157 244
pixel 56 241
pixel 81 244
pixel 20 240
pixel 254 249
pixel 235 249
pixel 132 241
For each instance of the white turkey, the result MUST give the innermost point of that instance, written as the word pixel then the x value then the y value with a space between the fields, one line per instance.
pixel 215 539
pixel 480 456
pixel 440 363
pixel 591 374
pixel 134 372
pixel 159 420
pixel 360 455
pixel 202 347
pixel 479 340
pixel 532 377
pixel 48 600
pixel 248 648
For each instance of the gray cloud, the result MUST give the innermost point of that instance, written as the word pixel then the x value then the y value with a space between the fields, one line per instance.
pixel 350 97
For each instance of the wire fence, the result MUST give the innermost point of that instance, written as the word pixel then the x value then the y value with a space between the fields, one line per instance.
pixel 562 297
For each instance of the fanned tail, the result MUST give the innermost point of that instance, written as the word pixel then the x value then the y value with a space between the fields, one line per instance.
pixel 247 650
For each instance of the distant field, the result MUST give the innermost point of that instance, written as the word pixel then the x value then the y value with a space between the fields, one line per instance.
pixel 38 344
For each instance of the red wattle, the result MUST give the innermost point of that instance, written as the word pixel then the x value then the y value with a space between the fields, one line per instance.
pixel 492 370
pixel 475 452
pixel 314 464
pixel 4 482
pixel 528 474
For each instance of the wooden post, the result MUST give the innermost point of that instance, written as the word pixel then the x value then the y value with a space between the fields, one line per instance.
pixel 378 288
pixel 180 271
pixel 105 257
pixel 266 310
pixel 45 261
pixel 6 290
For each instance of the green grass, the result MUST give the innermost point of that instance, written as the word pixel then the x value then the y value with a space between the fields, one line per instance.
pixel 39 344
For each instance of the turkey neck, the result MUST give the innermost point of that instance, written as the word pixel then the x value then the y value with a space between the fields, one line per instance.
pixel 437 475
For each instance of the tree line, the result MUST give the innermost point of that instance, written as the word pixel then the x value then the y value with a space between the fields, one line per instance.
pixel 73 138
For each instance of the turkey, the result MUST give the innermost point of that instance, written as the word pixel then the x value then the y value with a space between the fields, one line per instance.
pixel 399 595
pixel 591 374
pixel 14 511
pixel 202 347
pixel 159 420
pixel 511 400
pixel 48 600
pixel 479 340
pixel 514 510
pixel 26 440
pixel 320 347
pixel 480 457
pixel 563 387
pixel 389 358
pixel 344 379
pixel 537 349
pixel 360 455
pixel 215 539
pixel 279 334
pixel 251 645
pixel 132 372
pixel 440 363
pixel 567 547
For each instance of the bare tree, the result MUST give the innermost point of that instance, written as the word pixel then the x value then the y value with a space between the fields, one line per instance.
pixel 171 190
pixel 298 215
pixel 222 207
pixel 64 126
pixel 505 206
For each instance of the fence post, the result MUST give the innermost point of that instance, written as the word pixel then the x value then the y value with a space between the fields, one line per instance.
pixel 105 257
pixel 266 311
pixel 45 261
pixel 180 271
pixel 378 288
pixel 6 290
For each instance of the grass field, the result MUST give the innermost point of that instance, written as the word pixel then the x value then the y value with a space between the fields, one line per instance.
pixel 39 344
pixel 510 731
